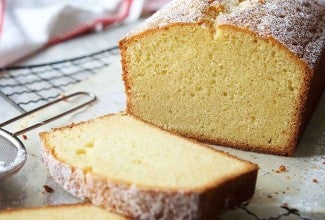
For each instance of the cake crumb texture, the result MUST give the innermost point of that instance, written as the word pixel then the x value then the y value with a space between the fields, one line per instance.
pixel 245 74
pixel 62 212
pixel 134 169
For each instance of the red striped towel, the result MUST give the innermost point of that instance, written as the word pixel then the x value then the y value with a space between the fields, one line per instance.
pixel 26 28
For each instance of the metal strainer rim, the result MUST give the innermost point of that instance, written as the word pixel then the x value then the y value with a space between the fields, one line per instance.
pixel 12 137
pixel 19 160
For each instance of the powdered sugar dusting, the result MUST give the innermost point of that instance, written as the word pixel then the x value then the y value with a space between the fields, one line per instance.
pixel 179 11
pixel 297 24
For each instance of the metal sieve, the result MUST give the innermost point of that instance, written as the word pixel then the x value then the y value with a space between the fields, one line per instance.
pixel 12 151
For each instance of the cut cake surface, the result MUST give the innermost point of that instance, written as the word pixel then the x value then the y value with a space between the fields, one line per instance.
pixel 60 212
pixel 140 171
pixel 245 74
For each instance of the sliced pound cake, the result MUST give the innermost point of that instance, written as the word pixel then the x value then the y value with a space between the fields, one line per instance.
pixel 140 171
pixel 60 212
pixel 239 73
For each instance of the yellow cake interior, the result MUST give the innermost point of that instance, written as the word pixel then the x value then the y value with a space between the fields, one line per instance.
pixel 215 84
pixel 123 149
pixel 65 212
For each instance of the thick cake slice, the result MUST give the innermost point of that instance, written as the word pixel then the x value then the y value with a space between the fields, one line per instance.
pixel 239 73
pixel 60 212
pixel 140 171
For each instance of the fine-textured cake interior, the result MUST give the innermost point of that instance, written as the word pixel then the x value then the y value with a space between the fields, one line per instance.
pixel 62 212
pixel 123 149
pixel 223 85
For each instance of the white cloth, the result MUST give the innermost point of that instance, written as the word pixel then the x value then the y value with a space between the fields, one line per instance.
pixel 30 25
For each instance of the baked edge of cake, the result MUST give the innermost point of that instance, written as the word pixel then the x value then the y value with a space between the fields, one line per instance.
pixel 212 199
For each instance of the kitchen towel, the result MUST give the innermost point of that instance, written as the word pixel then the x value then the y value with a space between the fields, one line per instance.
pixel 28 26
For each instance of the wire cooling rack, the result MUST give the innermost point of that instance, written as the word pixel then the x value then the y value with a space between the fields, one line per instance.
pixel 27 87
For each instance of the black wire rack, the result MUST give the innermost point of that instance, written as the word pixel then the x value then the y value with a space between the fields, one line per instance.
pixel 27 87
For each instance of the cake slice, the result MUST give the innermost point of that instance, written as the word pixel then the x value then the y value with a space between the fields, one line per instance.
pixel 239 73
pixel 140 171
pixel 60 212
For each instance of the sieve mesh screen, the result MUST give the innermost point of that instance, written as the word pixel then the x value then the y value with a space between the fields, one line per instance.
pixel 8 152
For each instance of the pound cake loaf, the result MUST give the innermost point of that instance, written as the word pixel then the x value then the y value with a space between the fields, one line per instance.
pixel 239 73
pixel 60 212
pixel 134 169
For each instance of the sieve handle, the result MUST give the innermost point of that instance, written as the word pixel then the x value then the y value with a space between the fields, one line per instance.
pixel 65 98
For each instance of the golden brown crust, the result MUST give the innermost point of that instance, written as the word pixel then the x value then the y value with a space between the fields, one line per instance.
pixel 315 88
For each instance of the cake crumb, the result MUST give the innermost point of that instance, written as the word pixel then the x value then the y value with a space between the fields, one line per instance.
pixel 24 136
pixel 269 196
pixel 48 189
pixel 324 162
pixel 315 180
pixel 64 98
pixel 285 204
pixel 281 169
